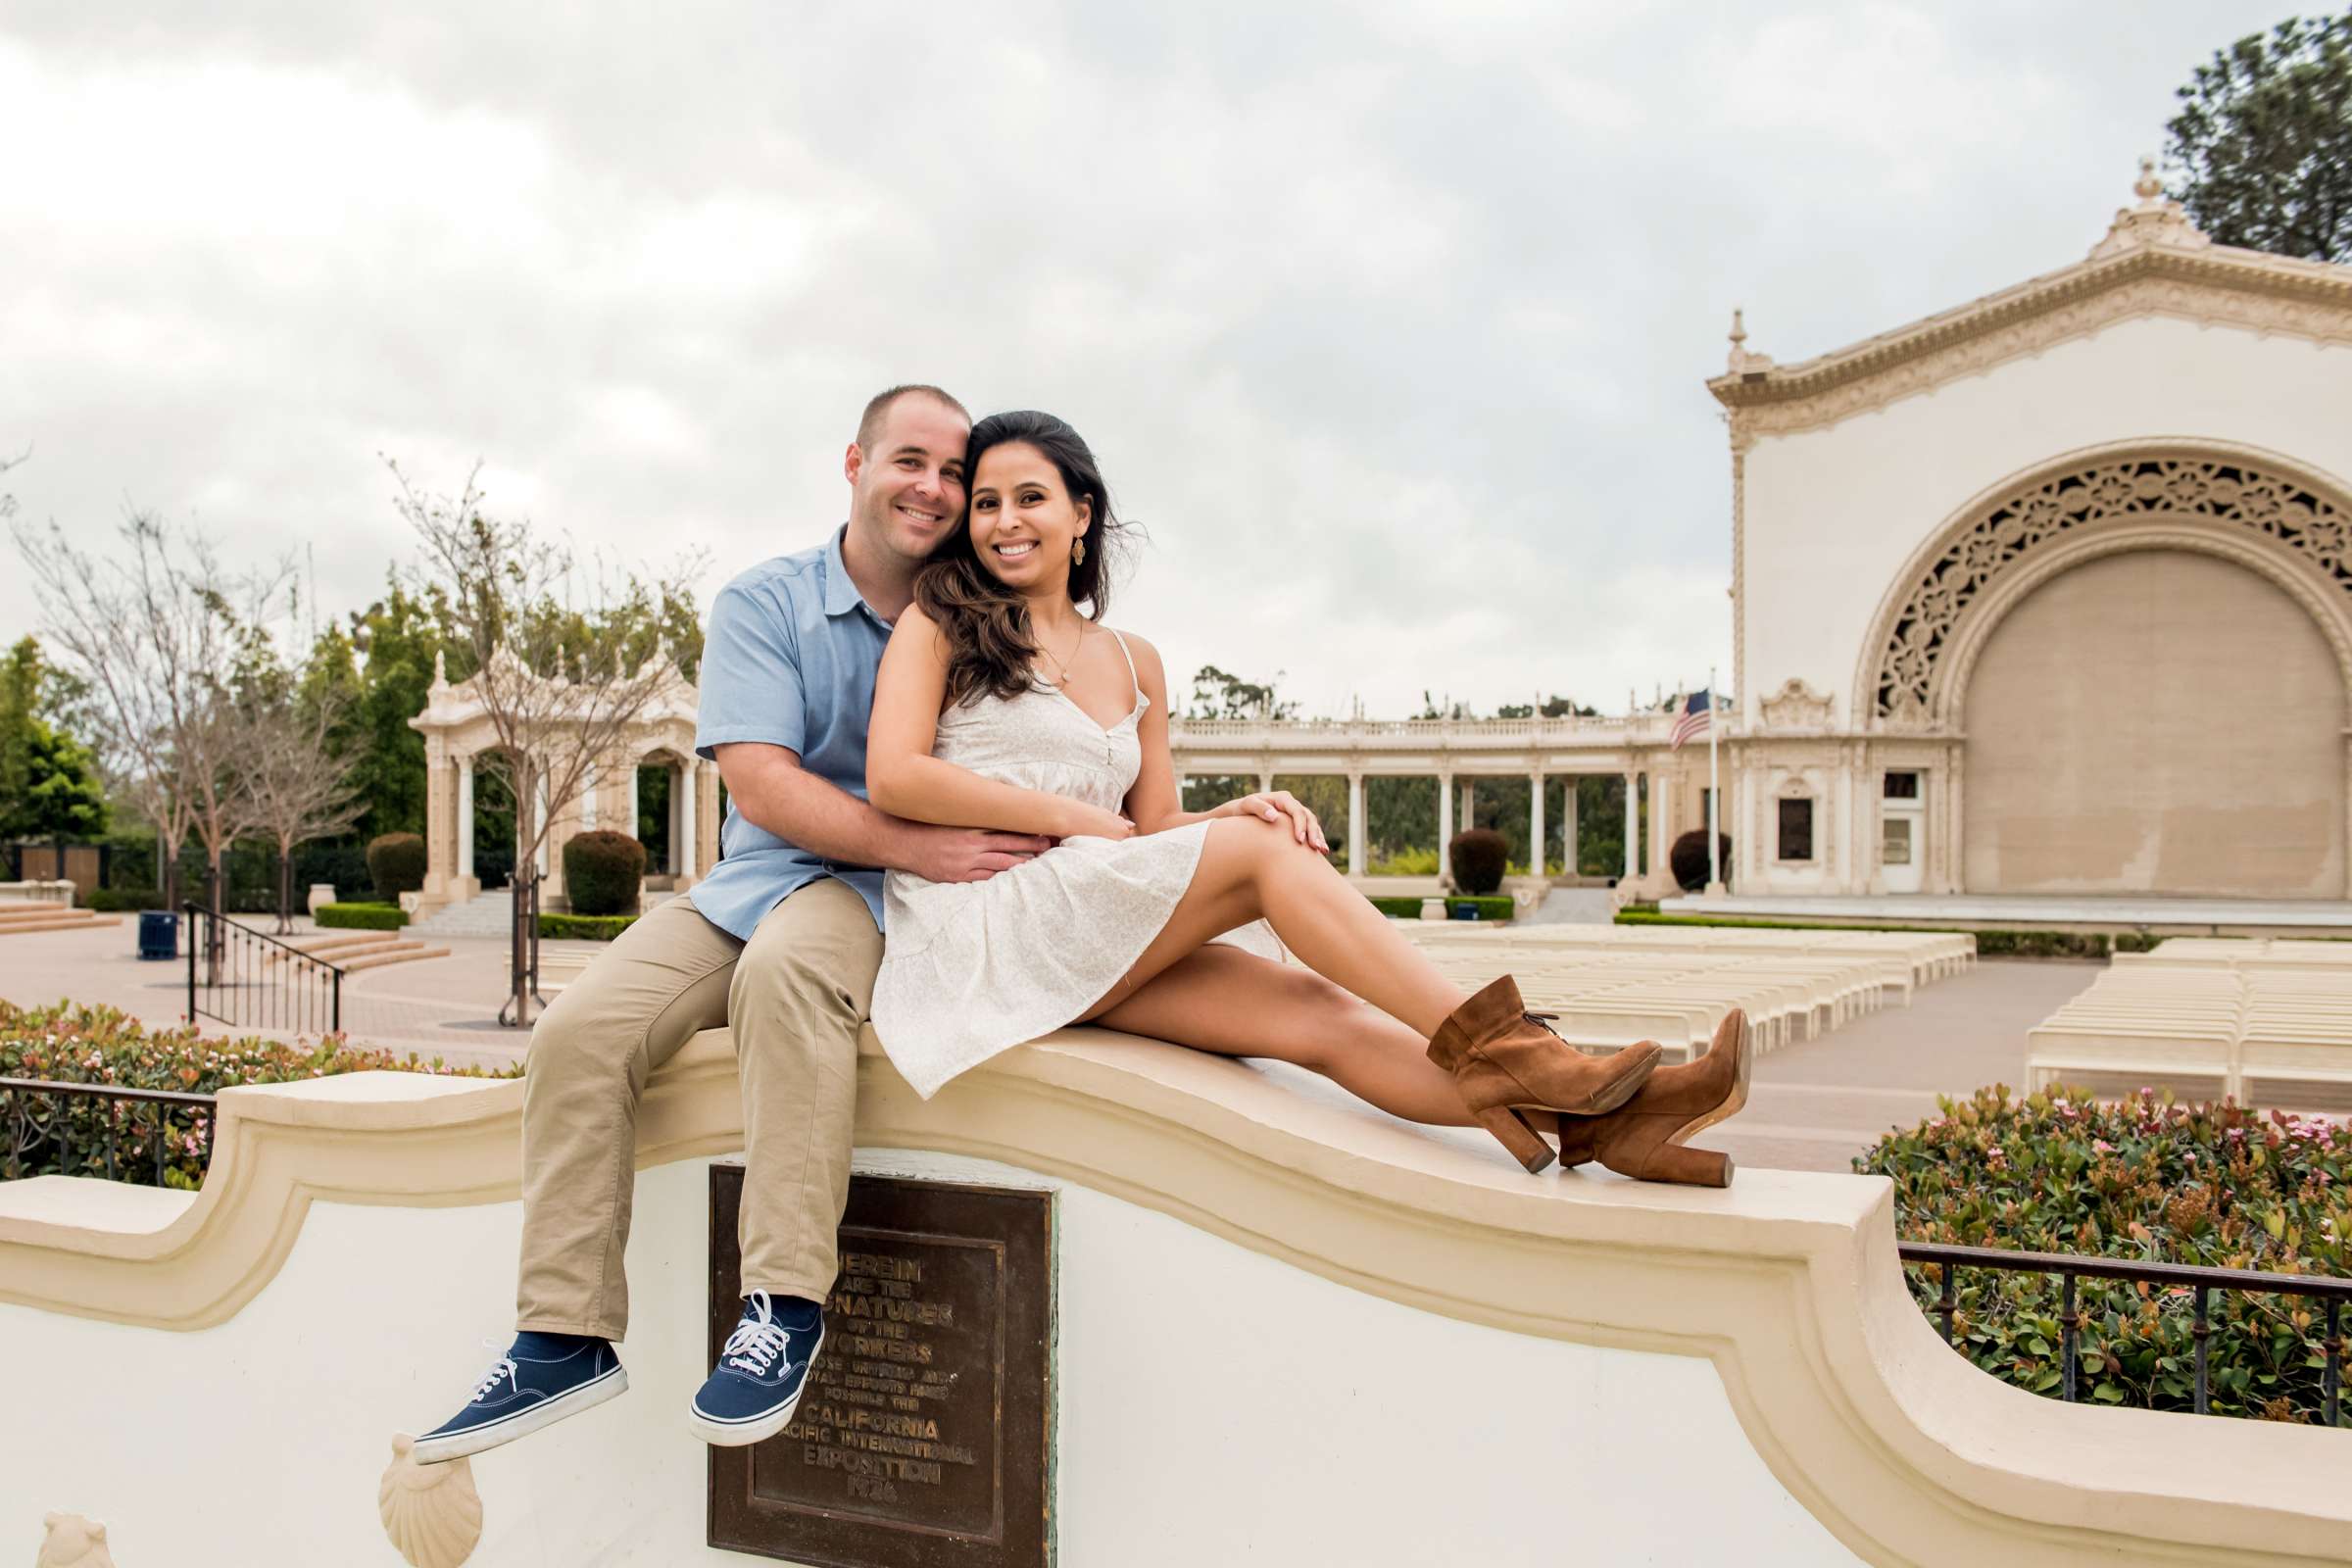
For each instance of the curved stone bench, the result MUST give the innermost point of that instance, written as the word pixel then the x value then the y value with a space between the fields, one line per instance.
pixel 1787 1284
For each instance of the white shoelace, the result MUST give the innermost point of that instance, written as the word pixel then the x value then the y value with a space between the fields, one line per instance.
pixel 503 1369
pixel 757 1340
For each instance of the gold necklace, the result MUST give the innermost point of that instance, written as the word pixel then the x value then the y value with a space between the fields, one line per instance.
pixel 1064 664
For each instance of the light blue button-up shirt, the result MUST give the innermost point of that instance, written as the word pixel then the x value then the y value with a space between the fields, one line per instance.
pixel 788 659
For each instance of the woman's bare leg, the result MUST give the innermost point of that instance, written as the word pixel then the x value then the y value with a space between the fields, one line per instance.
pixel 1252 870
pixel 1235 1004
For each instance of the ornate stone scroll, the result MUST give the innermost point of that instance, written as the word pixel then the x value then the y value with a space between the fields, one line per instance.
pixel 2262 507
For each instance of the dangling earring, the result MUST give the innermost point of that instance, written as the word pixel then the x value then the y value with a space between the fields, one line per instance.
pixel 1078 553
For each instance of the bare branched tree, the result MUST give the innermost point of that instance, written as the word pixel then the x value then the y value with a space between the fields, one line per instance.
pixel 155 635
pixel 560 657
pixel 296 788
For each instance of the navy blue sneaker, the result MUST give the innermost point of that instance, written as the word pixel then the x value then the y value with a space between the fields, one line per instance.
pixel 533 1384
pixel 756 1387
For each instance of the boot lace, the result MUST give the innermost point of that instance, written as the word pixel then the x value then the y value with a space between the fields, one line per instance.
pixel 757 1340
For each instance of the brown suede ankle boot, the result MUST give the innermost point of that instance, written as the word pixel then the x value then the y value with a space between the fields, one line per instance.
pixel 1645 1137
pixel 1505 1062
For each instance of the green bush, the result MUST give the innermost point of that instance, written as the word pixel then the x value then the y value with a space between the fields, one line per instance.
pixel 1479 856
pixel 361 916
pixel 396 865
pixel 121 900
pixel 2145 1179
pixel 1489 908
pixel 1403 863
pixel 584 927
pixel 69 1043
pixel 1688 859
pixel 603 871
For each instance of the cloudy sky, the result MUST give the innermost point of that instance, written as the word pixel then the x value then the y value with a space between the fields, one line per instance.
pixel 1390 320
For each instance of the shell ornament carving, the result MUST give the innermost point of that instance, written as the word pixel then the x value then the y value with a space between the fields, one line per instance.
pixel 2230 494
pixel 73 1542
pixel 432 1514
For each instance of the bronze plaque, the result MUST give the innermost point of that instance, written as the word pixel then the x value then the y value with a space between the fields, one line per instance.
pixel 924 1438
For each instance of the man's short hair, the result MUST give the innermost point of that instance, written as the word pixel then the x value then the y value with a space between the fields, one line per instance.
pixel 869 424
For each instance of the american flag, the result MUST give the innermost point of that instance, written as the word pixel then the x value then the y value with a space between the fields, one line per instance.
pixel 1696 715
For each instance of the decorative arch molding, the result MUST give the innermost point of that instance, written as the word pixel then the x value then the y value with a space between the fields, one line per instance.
pixel 2276 517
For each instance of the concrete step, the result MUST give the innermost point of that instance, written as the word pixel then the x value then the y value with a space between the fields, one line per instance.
pixel 487 915
pixel 71 920
pixel 404 953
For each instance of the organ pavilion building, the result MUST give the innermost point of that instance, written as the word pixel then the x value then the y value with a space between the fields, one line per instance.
pixel 2051 594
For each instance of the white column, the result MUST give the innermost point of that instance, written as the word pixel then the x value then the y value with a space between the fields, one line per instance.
pixel 1469 805
pixel 688 781
pixel 630 827
pixel 548 837
pixel 1356 824
pixel 465 816
pixel 1535 827
pixel 1568 825
pixel 588 797
pixel 1265 781
pixel 1445 829
pixel 1633 824
pixel 1659 839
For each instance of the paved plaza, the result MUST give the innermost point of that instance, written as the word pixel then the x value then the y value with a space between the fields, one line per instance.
pixel 1815 1104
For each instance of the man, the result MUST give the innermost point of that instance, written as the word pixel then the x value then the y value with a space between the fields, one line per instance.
pixel 780 941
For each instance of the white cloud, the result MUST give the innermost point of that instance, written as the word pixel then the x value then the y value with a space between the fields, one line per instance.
pixel 1390 320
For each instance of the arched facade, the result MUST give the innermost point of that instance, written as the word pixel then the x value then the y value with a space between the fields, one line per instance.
pixel 460 736
pixel 2118 660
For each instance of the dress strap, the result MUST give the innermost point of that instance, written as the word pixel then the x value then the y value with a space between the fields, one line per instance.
pixel 1135 679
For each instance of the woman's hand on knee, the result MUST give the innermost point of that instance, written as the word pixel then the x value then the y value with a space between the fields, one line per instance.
pixel 1280 809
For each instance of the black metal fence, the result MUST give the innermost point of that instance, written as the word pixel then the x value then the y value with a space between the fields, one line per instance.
pixel 2200 1282
pixel 109 1130
pixel 249 980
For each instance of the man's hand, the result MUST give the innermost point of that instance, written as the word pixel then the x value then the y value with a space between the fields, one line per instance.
pixel 968 854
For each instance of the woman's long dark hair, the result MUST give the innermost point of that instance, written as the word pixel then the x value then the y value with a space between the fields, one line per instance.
pixel 990 640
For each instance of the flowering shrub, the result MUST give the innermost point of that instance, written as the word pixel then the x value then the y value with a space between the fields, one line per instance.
pixel 68 1135
pixel 2144 1179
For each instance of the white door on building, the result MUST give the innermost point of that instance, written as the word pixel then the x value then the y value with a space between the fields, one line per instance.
pixel 1902 825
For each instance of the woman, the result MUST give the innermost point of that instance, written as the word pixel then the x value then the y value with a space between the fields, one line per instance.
pixel 1002 705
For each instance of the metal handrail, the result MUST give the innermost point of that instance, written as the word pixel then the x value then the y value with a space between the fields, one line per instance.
pixel 2203 1280
pixel 283 1010
pixel 117 1092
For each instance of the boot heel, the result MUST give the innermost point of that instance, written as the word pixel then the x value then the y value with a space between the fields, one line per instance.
pixel 1680 1164
pixel 1512 1130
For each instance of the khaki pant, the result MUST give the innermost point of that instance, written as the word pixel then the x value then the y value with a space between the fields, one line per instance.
pixel 794 995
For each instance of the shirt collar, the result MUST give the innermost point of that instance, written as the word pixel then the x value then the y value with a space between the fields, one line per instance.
pixel 841 592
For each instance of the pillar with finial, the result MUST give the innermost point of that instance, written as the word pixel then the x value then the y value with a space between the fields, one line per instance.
pixel 1741 360
pixel 2155 223
pixel 440 669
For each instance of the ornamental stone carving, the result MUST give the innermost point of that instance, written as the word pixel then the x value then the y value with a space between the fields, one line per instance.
pixel 1795 707
pixel 73 1542
pixel 2262 507
pixel 432 1513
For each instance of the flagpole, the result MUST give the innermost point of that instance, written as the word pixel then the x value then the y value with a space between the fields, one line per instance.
pixel 1714 790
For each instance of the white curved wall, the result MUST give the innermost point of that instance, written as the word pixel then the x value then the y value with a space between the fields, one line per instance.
pixel 1215 1406
pixel 1833 514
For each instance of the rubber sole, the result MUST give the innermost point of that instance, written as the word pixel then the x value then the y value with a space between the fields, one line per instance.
pixel 742 1434
pixel 523 1423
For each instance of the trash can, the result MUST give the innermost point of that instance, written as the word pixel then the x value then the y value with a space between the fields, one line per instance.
pixel 159 934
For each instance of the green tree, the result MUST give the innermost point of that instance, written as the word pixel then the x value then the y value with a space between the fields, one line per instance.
pixel 1217 693
pixel 2263 141
pixel 49 782
pixel 63 797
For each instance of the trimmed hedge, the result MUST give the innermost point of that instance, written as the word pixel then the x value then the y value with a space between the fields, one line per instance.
pixel 584 927
pixel 1990 943
pixel 1480 857
pixel 2145 1179
pixel 361 916
pixel 69 1043
pixel 1487 908
pixel 396 865
pixel 603 871
pixel 125 901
